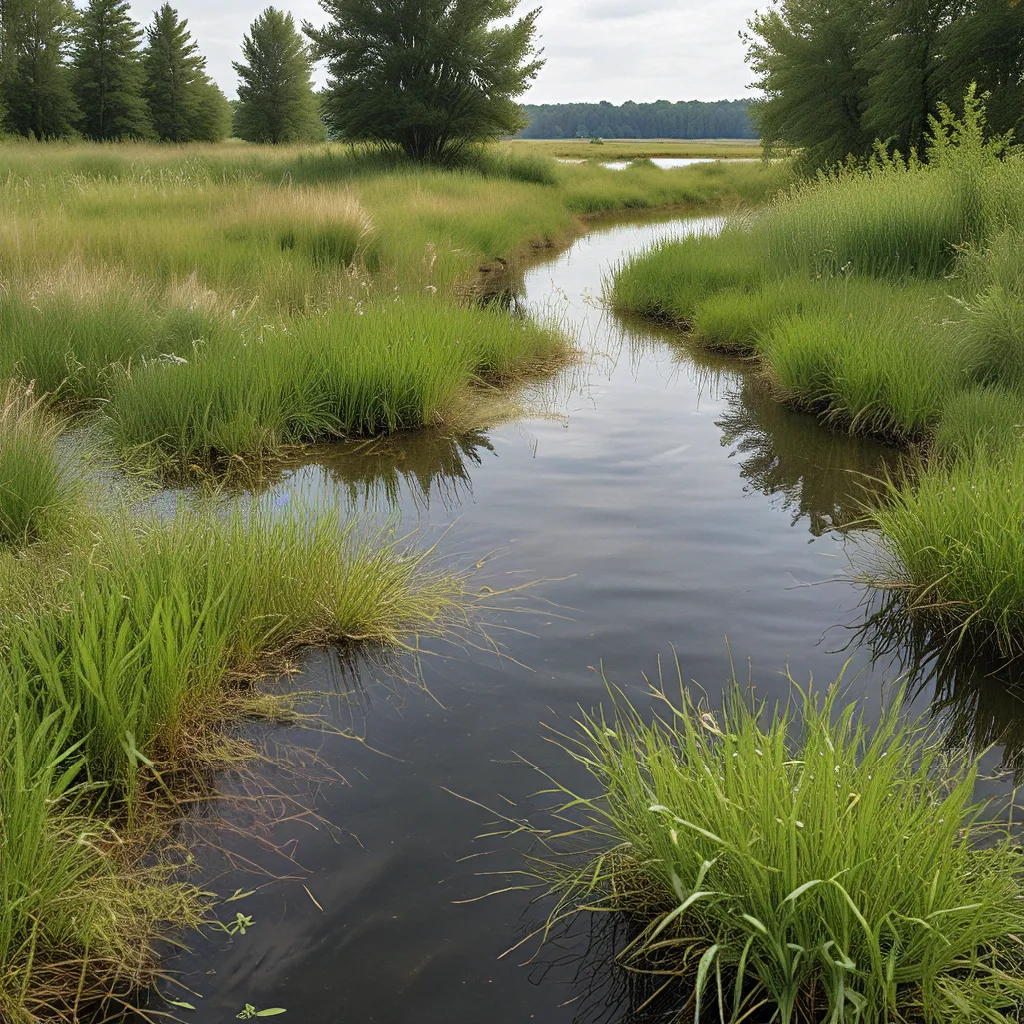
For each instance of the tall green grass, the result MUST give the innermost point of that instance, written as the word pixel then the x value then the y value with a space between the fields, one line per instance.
pixel 889 299
pixel 956 537
pixel 363 370
pixel 121 668
pixel 37 494
pixel 794 864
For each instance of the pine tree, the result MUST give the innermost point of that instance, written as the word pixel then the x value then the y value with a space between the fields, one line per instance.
pixel 36 82
pixel 275 91
pixel 212 113
pixel 426 76
pixel 184 104
pixel 108 73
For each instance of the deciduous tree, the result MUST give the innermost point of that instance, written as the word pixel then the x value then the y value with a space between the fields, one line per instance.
pixel 426 76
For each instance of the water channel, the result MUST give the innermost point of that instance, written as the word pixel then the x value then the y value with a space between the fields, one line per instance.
pixel 667 504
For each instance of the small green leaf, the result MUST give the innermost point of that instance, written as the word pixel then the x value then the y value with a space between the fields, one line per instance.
pixel 272 1012
pixel 181 1003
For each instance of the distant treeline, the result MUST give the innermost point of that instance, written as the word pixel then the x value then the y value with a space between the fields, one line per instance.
pixel 687 119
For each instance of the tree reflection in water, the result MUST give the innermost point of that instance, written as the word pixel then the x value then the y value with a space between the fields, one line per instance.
pixel 822 475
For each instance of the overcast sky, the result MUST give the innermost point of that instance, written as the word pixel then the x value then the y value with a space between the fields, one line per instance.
pixel 613 50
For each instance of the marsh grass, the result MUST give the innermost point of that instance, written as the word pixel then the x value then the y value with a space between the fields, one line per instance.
pixel 37 495
pixel 364 370
pixel 889 300
pixel 956 535
pixel 124 668
pixel 792 862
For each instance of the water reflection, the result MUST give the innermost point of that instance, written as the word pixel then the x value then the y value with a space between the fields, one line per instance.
pixel 978 695
pixel 415 470
pixel 815 474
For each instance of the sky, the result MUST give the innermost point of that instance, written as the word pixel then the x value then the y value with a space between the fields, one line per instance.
pixel 614 50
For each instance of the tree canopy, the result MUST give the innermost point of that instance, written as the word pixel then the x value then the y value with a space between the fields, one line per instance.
pixel 36 79
pixel 184 103
pixel 107 73
pixel 687 119
pixel 837 76
pixel 426 76
pixel 276 102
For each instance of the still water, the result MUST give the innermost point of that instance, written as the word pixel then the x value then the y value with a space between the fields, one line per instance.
pixel 662 503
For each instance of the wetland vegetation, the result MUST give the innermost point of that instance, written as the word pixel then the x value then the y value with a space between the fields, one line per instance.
pixel 887 300
pixel 185 311
pixel 176 314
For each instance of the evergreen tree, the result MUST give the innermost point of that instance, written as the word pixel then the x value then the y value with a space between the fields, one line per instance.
pixel 184 104
pixel 36 82
pixel 108 74
pixel 275 91
pixel 211 120
pixel 426 76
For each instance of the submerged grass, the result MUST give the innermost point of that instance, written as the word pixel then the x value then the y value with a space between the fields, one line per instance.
pixel 792 863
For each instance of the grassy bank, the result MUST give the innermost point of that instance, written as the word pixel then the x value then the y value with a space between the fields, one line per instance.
pixel 794 864
pixel 888 300
pixel 230 301
pixel 129 651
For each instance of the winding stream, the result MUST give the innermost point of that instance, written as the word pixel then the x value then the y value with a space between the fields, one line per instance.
pixel 669 504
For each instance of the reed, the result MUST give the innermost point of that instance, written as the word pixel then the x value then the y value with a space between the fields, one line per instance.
pixel 793 862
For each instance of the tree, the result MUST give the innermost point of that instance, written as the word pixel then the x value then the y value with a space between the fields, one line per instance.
pixel 108 75
pixel 904 65
pixel 276 102
pixel 184 103
pixel 36 80
pixel 808 58
pixel 428 77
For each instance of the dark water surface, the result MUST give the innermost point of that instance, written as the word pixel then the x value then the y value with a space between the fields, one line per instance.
pixel 669 504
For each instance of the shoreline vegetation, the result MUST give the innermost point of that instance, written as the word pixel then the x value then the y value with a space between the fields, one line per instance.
pixel 176 275
pixel 789 863
pixel 200 309
pixel 132 645
pixel 886 298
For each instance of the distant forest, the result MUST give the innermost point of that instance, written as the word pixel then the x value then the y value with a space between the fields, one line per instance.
pixel 688 119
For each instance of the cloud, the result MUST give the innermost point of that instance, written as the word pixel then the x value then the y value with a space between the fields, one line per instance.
pixel 595 49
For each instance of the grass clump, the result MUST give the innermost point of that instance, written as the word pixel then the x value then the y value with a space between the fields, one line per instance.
pixel 121 671
pixel 795 864
pixel 350 371
pixel 37 495
pixel 956 535
pixel 669 282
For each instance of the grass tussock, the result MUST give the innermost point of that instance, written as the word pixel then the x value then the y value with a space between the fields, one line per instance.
pixel 37 494
pixel 363 370
pixel 794 863
pixel 126 660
